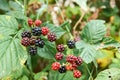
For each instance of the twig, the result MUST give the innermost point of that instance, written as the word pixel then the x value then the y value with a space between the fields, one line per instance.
pixel 79 21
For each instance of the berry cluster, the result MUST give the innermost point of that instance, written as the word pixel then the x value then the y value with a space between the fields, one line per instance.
pixel 32 39
pixel 72 62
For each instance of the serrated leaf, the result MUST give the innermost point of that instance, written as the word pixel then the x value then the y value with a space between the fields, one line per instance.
pixel 110 42
pixel 17 14
pixel 12 56
pixel 40 76
pixel 57 30
pixel 87 51
pixel 48 51
pixel 109 74
pixel 94 31
pixel 8 25
pixel 4 5
pixel 82 4
pixel 17 10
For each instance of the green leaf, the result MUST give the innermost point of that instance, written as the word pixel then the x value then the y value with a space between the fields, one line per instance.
pixel 17 10
pixel 4 5
pixel 41 10
pixel 12 56
pixel 8 25
pixel 110 42
pixel 57 30
pixel 48 51
pixel 82 4
pixel 109 74
pixel 40 75
pixel 17 14
pixel 87 51
pixel 94 31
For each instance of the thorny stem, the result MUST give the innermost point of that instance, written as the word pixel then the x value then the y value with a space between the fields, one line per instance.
pixel 79 21
pixel 64 20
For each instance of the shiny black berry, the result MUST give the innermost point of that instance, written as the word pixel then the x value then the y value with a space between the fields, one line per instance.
pixel 32 50
pixel 39 42
pixel 51 37
pixel 26 34
pixel 71 44
pixel 36 31
pixel 62 69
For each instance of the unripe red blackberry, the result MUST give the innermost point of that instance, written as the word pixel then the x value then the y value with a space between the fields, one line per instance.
pixel 45 31
pixel 38 22
pixel 36 31
pixel 78 61
pixel 58 56
pixel 32 50
pixel 51 37
pixel 69 67
pixel 62 69
pixel 71 44
pixel 26 34
pixel 71 58
pixel 77 39
pixel 39 42
pixel 32 41
pixel 74 65
pixel 25 41
pixel 77 74
pixel 60 47
pixel 56 66
pixel 30 22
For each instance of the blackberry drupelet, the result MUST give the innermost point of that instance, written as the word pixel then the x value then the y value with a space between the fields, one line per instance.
pixel 58 56
pixel 32 50
pixel 26 34
pixel 71 44
pixel 60 47
pixel 39 42
pixel 51 37
pixel 62 69
pixel 25 41
pixel 36 31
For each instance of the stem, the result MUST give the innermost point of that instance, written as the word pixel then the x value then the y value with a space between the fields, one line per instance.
pixel 47 9
pixel 64 20
pixel 88 71
pixel 79 21
pixel 25 6
pixel 30 67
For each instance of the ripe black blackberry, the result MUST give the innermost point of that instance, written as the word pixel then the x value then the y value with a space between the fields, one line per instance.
pixel 26 34
pixel 25 41
pixel 32 50
pixel 60 47
pixel 62 69
pixel 36 31
pixel 71 44
pixel 39 42
pixel 51 37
